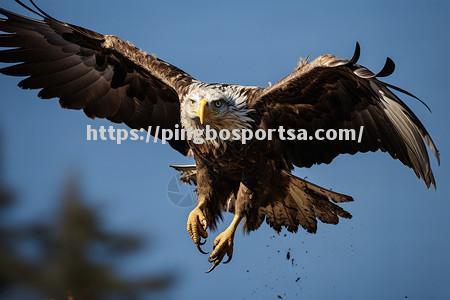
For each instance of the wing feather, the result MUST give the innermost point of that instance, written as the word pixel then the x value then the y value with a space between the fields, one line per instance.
pixel 330 93
pixel 103 75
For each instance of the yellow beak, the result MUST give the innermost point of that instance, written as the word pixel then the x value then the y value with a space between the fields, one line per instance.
pixel 202 111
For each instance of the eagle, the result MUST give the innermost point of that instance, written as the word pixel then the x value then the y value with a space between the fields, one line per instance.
pixel 108 77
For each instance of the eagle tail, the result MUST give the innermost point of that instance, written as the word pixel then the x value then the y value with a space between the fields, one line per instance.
pixel 304 203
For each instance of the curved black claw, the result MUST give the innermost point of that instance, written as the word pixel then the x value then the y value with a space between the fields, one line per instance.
pixel 228 259
pixel 215 264
pixel 202 243
pixel 200 248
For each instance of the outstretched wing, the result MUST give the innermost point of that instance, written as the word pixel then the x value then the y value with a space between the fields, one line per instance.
pixel 101 74
pixel 329 93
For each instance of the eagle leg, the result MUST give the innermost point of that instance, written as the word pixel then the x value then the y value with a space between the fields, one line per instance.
pixel 223 244
pixel 197 226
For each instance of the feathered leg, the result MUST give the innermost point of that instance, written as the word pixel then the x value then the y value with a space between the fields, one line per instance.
pixel 197 223
pixel 223 243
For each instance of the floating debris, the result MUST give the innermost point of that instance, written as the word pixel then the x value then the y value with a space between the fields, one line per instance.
pixel 298 278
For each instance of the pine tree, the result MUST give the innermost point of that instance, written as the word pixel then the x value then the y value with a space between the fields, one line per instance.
pixel 65 265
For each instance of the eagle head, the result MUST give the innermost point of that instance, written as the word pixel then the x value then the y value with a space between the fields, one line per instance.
pixel 219 106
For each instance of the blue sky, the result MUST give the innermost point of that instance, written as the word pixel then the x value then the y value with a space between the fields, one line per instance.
pixel 396 245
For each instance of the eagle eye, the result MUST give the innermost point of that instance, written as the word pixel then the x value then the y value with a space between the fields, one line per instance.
pixel 218 103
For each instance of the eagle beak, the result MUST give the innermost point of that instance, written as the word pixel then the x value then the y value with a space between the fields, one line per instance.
pixel 202 110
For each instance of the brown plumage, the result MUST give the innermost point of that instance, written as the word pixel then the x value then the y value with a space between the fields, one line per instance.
pixel 333 93
pixel 109 78
pixel 102 75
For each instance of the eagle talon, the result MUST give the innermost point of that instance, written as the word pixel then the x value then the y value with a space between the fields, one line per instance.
pixel 223 245
pixel 212 259
pixel 200 248
pixel 214 265
pixel 196 227
pixel 228 260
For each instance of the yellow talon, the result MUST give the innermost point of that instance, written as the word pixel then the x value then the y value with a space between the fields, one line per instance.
pixel 197 227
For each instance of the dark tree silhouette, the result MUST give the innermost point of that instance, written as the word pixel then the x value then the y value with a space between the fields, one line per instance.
pixel 75 258
pixel 12 265
pixel 79 254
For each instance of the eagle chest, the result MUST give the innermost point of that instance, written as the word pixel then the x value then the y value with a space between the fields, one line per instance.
pixel 228 159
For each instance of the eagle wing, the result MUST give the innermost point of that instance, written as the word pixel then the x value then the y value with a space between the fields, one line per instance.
pixel 103 75
pixel 330 93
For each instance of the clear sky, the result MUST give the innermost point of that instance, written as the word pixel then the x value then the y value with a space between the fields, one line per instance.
pixel 396 245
